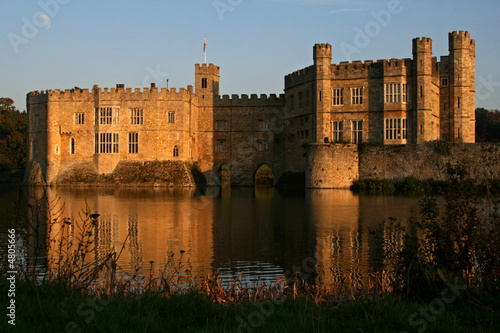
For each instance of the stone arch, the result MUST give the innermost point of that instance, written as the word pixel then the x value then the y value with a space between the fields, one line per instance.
pixel 263 175
pixel 224 175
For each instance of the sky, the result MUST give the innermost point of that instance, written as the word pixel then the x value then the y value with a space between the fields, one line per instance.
pixel 61 44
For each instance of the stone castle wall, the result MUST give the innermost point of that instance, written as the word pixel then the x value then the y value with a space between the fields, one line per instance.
pixel 338 165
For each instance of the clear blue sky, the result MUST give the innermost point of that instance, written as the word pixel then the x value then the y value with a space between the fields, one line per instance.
pixel 255 42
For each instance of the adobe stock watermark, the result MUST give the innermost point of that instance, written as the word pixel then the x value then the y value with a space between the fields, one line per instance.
pixel 486 87
pixel 40 19
pixel 223 6
pixel 436 307
pixel 154 76
pixel 372 29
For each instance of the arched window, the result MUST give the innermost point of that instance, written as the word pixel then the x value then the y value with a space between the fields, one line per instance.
pixel 72 146
pixel 176 151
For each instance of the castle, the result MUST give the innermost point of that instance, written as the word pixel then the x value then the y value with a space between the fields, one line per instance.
pixel 394 102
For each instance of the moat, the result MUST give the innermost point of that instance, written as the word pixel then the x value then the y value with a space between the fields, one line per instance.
pixel 264 233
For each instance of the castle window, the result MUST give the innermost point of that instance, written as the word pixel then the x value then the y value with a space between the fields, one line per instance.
pixel 263 125
pixel 204 83
pixel 263 145
pixel 357 95
pixel 79 118
pixel 338 96
pixel 292 102
pixel 33 150
pixel 171 117
pixel 57 149
pixel 106 143
pixel 393 93
pixel 307 98
pixel 105 116
pixel 458 102
pixel 421 91
pixel 116 116
pixel 338 130
pixel 72 146
pixel 405 93
pixel 175 152
pixel 300 100
pixel 221 125
pixel 444 82
pixel 136 117
pixel 221 145
pixel 37 119
pixel 395 129
pixel 357 131
pixel 133 143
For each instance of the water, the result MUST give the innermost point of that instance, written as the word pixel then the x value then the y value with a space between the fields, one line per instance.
pixel 261 232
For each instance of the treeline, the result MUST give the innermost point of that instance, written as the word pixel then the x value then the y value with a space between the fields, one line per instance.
pixel 13 129
pixel 487 125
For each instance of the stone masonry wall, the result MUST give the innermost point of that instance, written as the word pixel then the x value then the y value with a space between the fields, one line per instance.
pixel 426 161
pixel 331 165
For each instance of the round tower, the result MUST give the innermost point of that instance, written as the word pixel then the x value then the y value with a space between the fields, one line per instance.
pixel 322 55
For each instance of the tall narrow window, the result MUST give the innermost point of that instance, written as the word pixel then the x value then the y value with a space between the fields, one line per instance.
pixel 133 143
pixel 357 95
pixel 405 93
pixel 338 96
pixel 204 82
pixel 176 151
pixel 300 100
pixel 136 117
pixel 116 116
pixel 72 146
pixel 221 125
pixel 171 117
pixel 79 118
pixel 458 102
pixel 357 131
pixel 105 116
pixel 106 143
pixel 221 145
pixel 393 92
pixel 37 119
pixel 338 131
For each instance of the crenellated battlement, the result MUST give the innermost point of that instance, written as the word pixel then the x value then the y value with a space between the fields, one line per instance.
pixel 253 100
pixel 356 65
pixel 460 40
pixel 323 50
pixel 422 44
pixel 300 76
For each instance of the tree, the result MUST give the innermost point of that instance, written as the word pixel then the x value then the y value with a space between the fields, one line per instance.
pixel 487 125
pixel 13 130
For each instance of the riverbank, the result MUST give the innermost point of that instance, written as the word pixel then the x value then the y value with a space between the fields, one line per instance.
pixel 52 308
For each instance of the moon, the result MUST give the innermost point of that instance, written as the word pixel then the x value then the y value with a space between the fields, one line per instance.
pixel 45 21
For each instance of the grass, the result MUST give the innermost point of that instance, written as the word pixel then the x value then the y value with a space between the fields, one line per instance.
pixel 55 308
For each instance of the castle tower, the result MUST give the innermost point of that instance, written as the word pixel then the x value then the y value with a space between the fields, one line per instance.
pixel 424 115
pixel 206 83
pixel 462 86
pixel 322 55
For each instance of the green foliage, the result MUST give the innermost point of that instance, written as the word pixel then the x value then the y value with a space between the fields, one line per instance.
pixel 461 243
pixel 371 186
pixel 487 125
pixel 444 147
pixel 13 130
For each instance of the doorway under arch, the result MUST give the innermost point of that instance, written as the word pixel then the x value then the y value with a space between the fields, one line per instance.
pixel 264 176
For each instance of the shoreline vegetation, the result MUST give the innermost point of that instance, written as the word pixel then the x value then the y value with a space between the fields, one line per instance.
pixel 440 273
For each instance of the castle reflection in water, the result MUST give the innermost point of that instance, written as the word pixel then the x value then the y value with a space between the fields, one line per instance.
pixel 324 234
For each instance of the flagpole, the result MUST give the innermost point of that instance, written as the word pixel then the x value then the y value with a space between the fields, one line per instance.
pixel 205 49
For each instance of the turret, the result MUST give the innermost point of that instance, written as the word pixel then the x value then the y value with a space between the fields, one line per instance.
pixel 322 55
pixel 462 86
pixel 421 124
pixel 207 83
